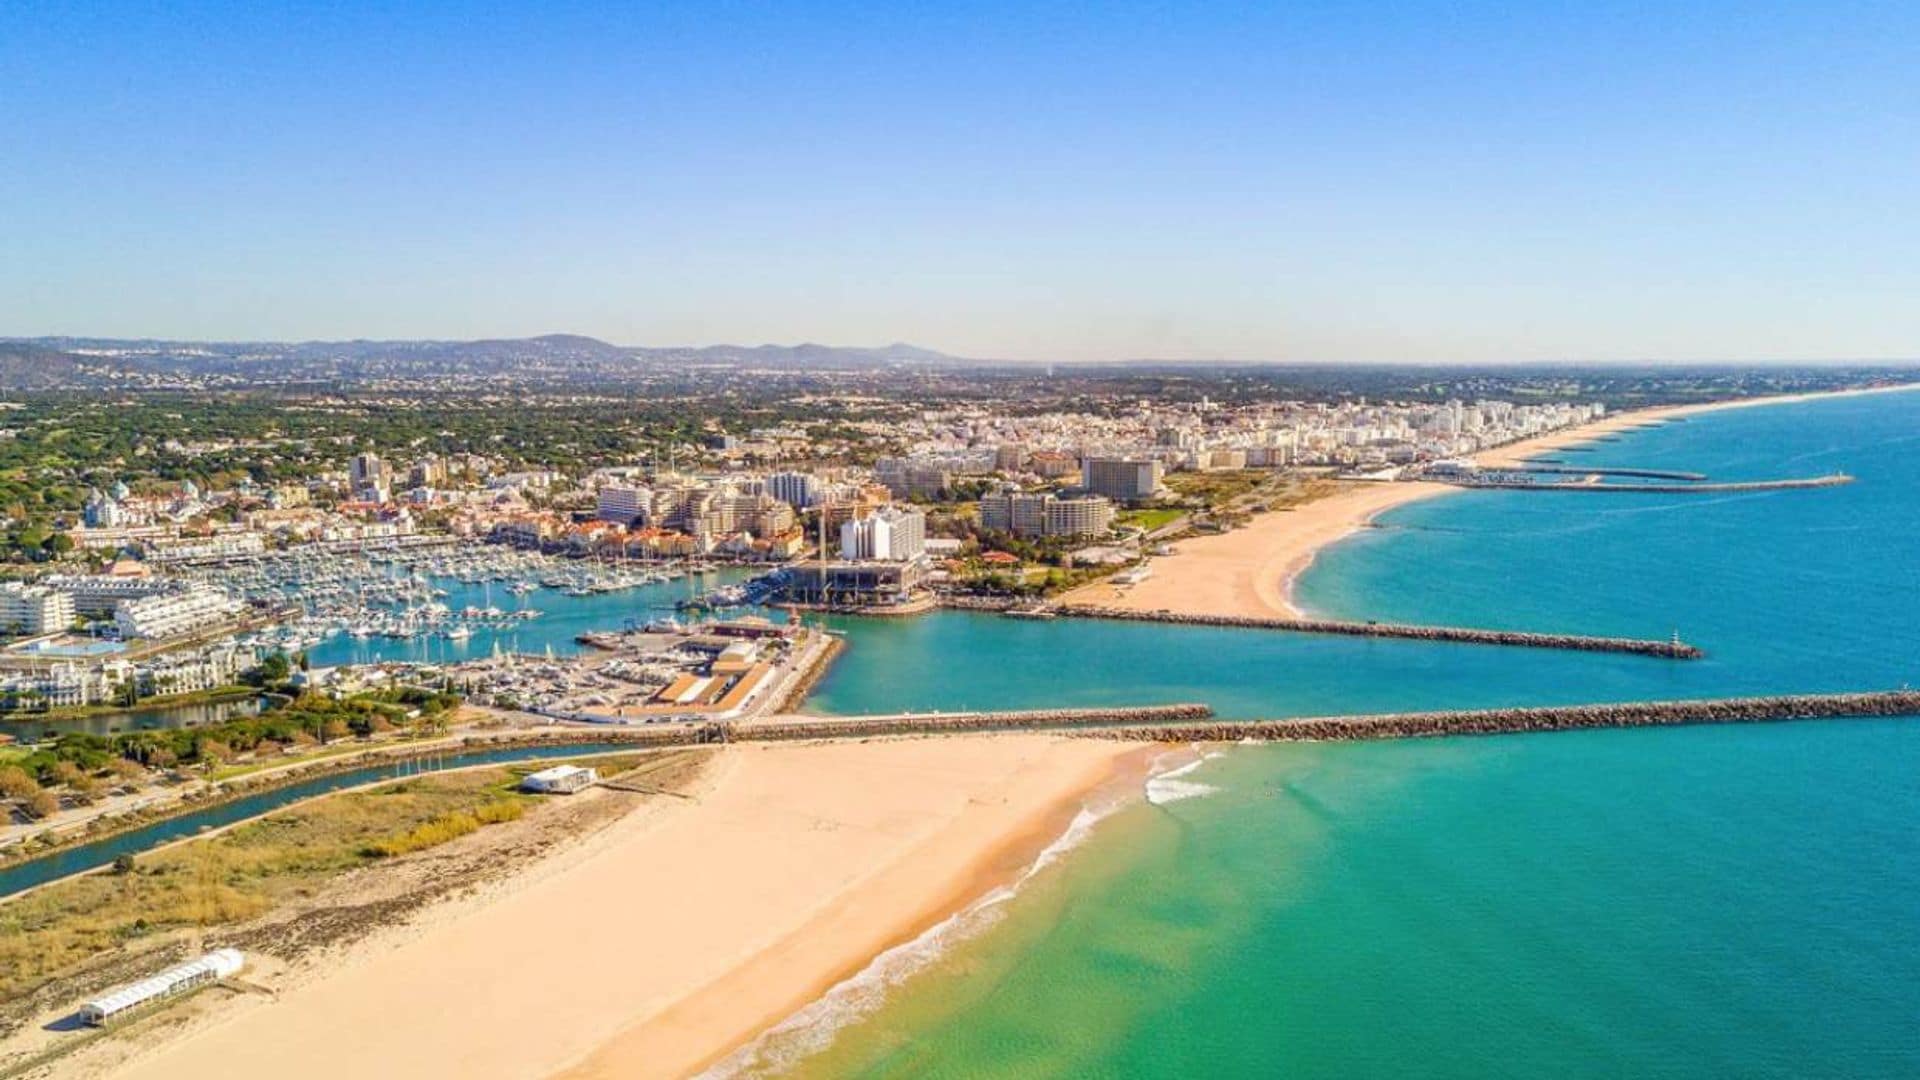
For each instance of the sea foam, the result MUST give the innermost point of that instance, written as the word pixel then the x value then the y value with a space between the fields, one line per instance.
pixel 1169 787
pixel 813 1028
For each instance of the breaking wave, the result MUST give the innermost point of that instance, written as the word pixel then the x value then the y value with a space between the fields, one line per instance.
pixel 1169 787
pixel 813 1028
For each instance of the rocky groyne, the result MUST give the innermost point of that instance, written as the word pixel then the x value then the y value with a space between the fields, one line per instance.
pixel 1543 466
pixel 854 727
pixel 1534 719
pixel 1509 484
pixel 1672 649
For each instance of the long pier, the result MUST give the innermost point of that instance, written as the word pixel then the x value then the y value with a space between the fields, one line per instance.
pixel 1673 649
pixel 1414 725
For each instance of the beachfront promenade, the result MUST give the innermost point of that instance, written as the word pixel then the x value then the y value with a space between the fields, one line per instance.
pixel 1671 649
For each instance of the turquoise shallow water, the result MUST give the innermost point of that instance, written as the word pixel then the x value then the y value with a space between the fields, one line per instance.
pixel 1736 901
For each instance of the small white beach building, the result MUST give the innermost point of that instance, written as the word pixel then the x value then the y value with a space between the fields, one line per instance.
pixel 560 780
pixel 212 967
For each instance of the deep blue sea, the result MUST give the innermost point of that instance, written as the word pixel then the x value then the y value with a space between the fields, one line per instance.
pixel 1697 902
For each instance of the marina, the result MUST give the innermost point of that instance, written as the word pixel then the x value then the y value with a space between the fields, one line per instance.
pixel 445 604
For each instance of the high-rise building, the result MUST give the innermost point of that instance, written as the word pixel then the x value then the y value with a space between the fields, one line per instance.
pixel 908 479
pixel 1008 510
pixel 1079 515
pixel 621 503
pixel 34 609
pixel 796 489
pixel 1124 479
pixel 889 534
pixel 1023 513
pixel 367 474
pixel 429 471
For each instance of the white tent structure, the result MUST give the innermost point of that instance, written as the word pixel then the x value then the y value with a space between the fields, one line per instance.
pixel 560 780
pixel 209 968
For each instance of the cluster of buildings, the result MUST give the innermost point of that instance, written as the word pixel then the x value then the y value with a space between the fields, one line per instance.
pixel 1116 454
pixel 135 606
pixel 31 680
pixel 1045 514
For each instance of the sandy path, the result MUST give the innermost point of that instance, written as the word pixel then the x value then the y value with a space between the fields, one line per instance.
pixel 689 931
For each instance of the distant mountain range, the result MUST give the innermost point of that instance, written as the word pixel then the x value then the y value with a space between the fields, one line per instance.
pixel 52 362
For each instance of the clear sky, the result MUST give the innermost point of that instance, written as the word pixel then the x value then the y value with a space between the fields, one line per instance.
pixel 1288 181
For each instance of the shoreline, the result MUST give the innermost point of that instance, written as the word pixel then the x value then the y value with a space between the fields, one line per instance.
pixel 1253 571
pixel 855 942
pixel 687 929
pixel 944 870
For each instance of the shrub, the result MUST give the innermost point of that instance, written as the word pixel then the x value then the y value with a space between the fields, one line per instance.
pixel 443 828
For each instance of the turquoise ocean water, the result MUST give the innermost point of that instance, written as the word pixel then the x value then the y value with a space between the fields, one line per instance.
pixel 1734 901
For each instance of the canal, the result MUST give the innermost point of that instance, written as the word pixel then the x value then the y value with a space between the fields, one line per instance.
pixel 98 853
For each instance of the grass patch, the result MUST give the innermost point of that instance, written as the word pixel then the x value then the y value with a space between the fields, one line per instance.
pixel 1216 489
pixel 240 873
pixel 1149 519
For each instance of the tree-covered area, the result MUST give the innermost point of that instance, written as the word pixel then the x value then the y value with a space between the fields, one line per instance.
pixel 84 764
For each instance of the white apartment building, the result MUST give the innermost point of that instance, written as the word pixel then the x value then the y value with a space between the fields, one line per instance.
pixel 796 489
pixel 1079 515
pixel 64 686
pixel 169 614
pixel 1024 513
pixel 889 534
pixel 97 595
pixel 34 609
pixel 621 503
pixel 187 673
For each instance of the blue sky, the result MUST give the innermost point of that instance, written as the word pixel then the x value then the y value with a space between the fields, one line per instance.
pixel 1306 181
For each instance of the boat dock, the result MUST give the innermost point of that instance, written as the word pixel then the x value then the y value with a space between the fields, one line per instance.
pixel 1671 649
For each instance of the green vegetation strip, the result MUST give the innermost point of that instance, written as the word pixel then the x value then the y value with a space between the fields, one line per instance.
pixel 241 872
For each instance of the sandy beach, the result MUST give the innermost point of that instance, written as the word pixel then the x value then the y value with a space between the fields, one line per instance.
pixel 687 929
pixel 1250 571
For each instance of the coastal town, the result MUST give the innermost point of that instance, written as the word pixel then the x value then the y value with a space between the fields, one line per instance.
pixel 678 541
pixel 195 621
pixel 176 589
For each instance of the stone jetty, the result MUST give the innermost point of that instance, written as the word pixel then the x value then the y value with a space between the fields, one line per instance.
pixel 850 727
pixel 1540 718
pixel 1672 649
pixel 1511 484
pixel 1545 466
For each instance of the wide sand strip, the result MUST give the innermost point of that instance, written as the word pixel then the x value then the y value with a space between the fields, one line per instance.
pixel 1247 571
pixel 689 931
